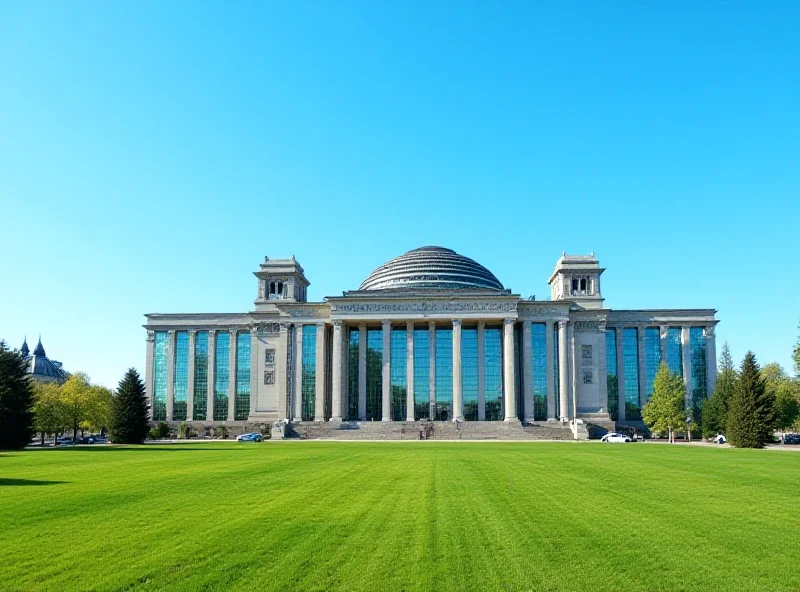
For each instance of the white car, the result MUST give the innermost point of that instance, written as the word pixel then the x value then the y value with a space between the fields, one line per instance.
pixel 613 437
pixel 720 439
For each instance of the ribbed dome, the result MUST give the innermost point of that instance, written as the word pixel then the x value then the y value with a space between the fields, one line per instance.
pixel 434 268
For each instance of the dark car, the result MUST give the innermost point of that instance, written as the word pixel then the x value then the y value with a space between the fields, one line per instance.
pixel 791 439
pixel 92 439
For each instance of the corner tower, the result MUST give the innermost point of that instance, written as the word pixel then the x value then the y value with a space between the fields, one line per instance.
pixel 577 278
pixel 281 279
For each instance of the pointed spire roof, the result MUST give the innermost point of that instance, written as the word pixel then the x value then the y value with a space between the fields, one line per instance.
pixel 25 350
pixel 39 351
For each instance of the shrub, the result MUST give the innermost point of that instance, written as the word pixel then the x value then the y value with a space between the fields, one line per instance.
pixel 222 431
pixel 184 430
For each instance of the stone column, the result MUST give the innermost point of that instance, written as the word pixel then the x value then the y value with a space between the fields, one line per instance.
pixel 232 376
pixel 345 371
pixel 602 363
pixel 336 369
pixel 386 367
pixel 686 354
pixel 509 387
pixel 711 359
pixel 620 376
pixel 212 374
pixel 458 400
pixel 527 371
pixel 551 374
pixel 563 371
pixel 362 372
pixel 432 370
pixel 320 380
pixel 409 371
pixel 281 368
pixel 298 372
pixel 254 374
pixel 573 371
pixel 190 378
pixel 481 371
pixel 148 370
pixel 642 352
pixel 170 375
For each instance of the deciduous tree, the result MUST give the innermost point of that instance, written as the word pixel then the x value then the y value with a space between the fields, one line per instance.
pixel 48 409
pixel 666 410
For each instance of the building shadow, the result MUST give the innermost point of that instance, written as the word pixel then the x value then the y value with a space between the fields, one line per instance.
pixel 5 482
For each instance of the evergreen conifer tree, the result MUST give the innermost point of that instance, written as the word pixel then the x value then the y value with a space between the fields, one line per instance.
pixel 715 409
pixel 750 411
pixel 16 400
pixel 129 413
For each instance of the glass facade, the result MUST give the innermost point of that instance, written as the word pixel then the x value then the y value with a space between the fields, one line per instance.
pixel 697 351
pixel 539 367
pixel 444 374
pixel 200 376
pixel 309 361
pixel 652 358
pixel 493 373
pixel 352 374
pixel 180 376
pixel 611 373
pixel 556 374
pixel 160 376
pixel 469 373
pixel 397 372
pixel 674 351
pixel 630 362
pixel 221 375
pixel 374 374
pixel 241 409
pixel 422 373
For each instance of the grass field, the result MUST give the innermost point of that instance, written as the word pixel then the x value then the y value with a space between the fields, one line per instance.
pixel 400 516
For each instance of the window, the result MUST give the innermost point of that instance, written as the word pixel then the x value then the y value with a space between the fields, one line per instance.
pixel 422 373
pixel 352 374
pixel 374 374
pixel 630 362
pixel 539 367
pixel 221 376
pixel 397 372
pixel 697 351
pixel 652 358
pixel 160 376
pixel 469 373
pixel 309 369
pixel 493 375
pixel 180 375
pixel 200 376
pixel 674 351
pixel 241 409
pixel 611 373
pixel 444 374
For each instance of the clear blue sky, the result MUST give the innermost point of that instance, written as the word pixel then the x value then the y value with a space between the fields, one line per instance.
pixel 151 154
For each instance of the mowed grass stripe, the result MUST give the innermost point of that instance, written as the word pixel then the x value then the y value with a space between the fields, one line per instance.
pixel 400 516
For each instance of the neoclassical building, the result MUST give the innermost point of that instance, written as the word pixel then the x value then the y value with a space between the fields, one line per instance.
pixel 429 335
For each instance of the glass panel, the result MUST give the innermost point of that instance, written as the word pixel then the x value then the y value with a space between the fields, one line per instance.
pixel 160 376
pixel 221 375
pixel 492 375
pixel 309 384
pixel 397 370
pixel 200 376
pixel 180 376
pixel 469 373
pixel 444 374
pixel 539 367
pixel 630 361
pixel 611 373
pixel 674 351
pixel 422 373
pixel 697 350
pixel 352 375
pixel 652 358
pixel 242 403
pixel 374 374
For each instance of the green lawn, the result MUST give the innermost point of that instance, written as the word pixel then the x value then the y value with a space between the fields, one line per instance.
pixel 400 516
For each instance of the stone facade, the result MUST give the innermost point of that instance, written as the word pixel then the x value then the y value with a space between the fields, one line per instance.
pixel 268 375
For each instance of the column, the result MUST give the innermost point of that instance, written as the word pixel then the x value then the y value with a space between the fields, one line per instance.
pixel 345 370
pixel 481 371
pixel 527 371
pixel 362 372
pixel 686 354
pixel 642 366
pixel 281 368
pixel 458 401
pixel 711 360
pixel 573 372
pixel 386 368
pixel 620 376
pixel 298 373
pixel 148 370
pixel 551 374
pixel 563 371
pixel 170 375
pixel 254 373
pixel 336 368
pixel 509 388
pixel 212 374
pixel 409 371
pixel 432 373
pixel 319 373
pixel 232 376
pixel 190 386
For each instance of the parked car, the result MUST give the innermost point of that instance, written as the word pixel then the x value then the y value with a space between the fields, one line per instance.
pixel 64 441
pixel 615 438
pixel 720 439
pixel 92 439
pixel 791 439
pixel 249 437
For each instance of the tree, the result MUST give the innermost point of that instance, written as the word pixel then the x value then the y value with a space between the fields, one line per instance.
pixel 750 411
pixel 666 410
pixel 715 409
pixel 796 357
pixel 48 409
pixel 98 410
pixel 129 411
pixel 16 400
pixel 76 396
pixel 787 407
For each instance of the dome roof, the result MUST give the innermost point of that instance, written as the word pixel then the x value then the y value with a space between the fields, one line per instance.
pixel 434 268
